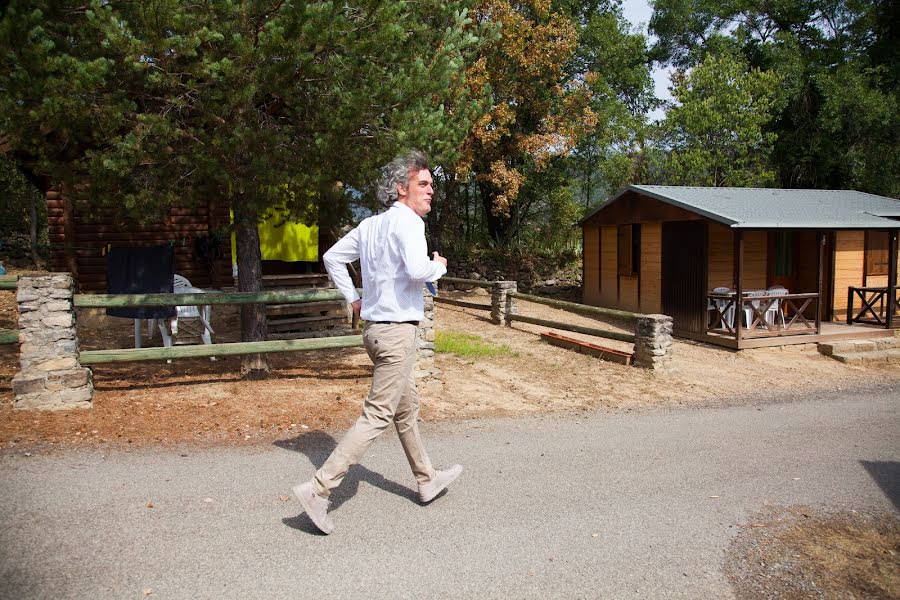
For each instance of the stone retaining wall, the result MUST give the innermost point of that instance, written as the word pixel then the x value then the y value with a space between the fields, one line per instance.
pixel 653 342
pixel 51 376
pixel 426 371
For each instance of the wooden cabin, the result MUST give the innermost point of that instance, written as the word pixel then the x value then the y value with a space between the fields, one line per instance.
pixel 204 253
pixel 784 260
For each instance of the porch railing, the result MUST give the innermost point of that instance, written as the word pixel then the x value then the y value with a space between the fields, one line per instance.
pixel 792 320
pixel 874 305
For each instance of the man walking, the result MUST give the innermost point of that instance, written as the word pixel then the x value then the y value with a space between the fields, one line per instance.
pixel 393 256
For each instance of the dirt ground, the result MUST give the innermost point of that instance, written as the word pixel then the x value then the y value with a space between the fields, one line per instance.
pixel 804 552
pixel 204 402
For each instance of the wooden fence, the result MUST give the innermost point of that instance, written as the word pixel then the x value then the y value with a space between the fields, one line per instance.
pixel 463 303
pixel 582 309
pixel 94 357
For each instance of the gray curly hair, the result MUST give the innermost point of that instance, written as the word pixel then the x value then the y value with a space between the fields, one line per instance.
pixel 397 172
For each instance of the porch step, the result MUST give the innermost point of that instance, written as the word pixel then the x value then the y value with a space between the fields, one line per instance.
pixel 858 346
pixel 891 356
pixel 856 352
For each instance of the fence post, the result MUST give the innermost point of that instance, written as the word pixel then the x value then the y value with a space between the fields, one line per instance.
pixel 425 370
pixel 501 304
pixel 653 341
pixel 51 376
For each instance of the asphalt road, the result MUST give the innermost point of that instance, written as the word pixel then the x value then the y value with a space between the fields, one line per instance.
pixel 607 505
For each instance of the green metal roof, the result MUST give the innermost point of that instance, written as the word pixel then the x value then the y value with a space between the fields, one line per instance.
pixel 771 208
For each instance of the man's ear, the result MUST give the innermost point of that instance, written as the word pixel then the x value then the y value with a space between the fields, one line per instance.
pixel 402 190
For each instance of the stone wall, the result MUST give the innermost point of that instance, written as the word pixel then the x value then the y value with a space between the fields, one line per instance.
pixel 426 372
pixel 653 342
pixel 50 376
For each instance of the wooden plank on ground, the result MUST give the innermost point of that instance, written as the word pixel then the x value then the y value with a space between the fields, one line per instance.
pixel 610 354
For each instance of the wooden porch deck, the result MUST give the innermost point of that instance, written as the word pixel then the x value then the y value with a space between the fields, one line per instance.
pixel 830 331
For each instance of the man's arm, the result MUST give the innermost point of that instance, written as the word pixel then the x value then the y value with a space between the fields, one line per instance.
pixel 344 252
pixel 415 255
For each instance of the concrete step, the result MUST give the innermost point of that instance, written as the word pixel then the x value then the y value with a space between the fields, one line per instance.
pixel 858 346
pixel 889 356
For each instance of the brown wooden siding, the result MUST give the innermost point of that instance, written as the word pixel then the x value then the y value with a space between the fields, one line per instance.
pixel 755 268
pixel 591 258
pixel 608 283
pixel 849 254
pixel 721 256
pixel 651 268
pixel 807 248
pixel 79 240
pixel 628 293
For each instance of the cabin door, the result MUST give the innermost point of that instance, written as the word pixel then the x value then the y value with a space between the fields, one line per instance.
pixel 684 263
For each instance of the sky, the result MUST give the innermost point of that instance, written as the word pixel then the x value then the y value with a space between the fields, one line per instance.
pixel 638 12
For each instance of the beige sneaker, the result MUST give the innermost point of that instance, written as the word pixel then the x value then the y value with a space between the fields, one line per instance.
pixel 316 506
pixel 440 481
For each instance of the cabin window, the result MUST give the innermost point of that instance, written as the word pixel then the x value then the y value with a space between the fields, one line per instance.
pixel 629 249
pixel 876 253
pixel 784 254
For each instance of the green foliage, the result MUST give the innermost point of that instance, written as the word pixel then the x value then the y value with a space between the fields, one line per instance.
pixel 615 62
pixel 17 197
pixel 252 104
pixel 839 124
pixel 716 133
pixel 468 345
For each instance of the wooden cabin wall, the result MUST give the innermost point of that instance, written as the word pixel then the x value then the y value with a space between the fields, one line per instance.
pixel 807 248
pixel 628 293
pixel 849 257
pixel 651 268
pixel 721 257
pixel 78 240
pixel 590 255
pixel 756 245
pixel 609 287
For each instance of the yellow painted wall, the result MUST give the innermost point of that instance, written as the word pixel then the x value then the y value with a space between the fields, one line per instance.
pixel 721 256
pixel 608 276
pixel 849 254
pixel 651 268
pixel 591 256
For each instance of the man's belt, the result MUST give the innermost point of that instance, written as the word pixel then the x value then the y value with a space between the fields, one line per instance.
pixel 416 323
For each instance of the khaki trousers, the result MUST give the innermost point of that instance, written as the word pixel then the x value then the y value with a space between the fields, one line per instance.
pixel 392 398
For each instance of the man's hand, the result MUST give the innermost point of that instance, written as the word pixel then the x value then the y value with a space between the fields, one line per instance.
pixel 356 305
pixel 438 258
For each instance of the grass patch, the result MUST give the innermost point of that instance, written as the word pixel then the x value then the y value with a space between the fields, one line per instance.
pixel 468 345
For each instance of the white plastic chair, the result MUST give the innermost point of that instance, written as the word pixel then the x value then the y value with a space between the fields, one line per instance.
pixel 719 305
pixel 775 310
pixel 186 317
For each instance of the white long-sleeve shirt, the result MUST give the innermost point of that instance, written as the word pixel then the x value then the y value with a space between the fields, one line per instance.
pixel 393 254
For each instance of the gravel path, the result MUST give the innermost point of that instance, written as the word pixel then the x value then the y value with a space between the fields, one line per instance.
pixel 628 504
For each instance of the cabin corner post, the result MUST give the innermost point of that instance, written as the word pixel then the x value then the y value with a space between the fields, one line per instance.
pixel 51 376
pixel 820 281
pixel 892 277
pixel 653 341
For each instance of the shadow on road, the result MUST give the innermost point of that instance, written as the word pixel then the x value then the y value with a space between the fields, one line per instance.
pixel 317 446
pixel 887 476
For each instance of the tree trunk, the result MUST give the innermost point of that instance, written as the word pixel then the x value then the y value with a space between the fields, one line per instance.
pixel 249 261
pixel 499 226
